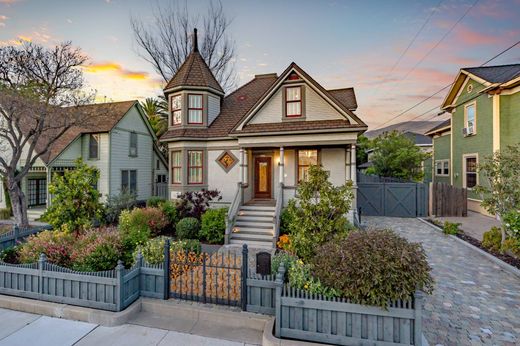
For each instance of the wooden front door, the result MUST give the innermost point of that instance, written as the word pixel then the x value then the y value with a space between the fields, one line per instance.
pixel 262 177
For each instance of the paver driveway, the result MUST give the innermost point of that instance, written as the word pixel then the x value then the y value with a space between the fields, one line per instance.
pixel 475 302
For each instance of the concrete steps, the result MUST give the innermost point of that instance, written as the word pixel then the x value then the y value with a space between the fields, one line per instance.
pixel 254 226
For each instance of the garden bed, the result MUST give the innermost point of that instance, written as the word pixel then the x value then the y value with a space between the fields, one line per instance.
pixel 511 260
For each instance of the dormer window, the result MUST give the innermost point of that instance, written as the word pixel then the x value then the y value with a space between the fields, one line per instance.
pixel 195 109
pixel 293 102
pixel 177 110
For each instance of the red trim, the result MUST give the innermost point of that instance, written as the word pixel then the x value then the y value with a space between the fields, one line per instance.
pixel 176 167
pixel 293 101
pixel 201 166
pixel 196 109
pixel 174 110
pixel 298 178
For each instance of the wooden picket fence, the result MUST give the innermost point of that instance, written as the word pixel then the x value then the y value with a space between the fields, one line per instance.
pixel 448 200
pixel 11 238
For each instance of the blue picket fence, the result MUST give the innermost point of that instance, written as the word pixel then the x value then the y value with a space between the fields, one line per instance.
pixel 17 234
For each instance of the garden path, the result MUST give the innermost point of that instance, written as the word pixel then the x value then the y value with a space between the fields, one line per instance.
pixel 475 302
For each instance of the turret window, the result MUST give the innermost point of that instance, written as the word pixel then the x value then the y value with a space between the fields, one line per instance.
pixel 195 109
pixel 176 110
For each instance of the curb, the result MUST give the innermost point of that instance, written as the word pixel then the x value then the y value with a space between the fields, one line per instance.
pixel 507 267
pixel 70 312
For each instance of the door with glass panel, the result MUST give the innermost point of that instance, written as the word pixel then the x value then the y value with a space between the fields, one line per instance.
pixel 37 192
pixel 263 177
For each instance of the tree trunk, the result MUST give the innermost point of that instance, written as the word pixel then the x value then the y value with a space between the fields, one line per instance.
pixel 18 204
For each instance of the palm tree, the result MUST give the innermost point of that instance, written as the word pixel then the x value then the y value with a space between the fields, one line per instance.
pixel 156 111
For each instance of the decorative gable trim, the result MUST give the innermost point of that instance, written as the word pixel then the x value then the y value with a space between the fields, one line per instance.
pixel 456 87
pixel 309 81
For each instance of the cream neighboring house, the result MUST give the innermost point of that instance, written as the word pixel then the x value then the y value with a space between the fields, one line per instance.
pixel 118 141
pixel 256 143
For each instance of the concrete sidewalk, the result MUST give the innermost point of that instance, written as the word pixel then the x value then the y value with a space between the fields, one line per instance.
pixel 21 329
pixel 474 225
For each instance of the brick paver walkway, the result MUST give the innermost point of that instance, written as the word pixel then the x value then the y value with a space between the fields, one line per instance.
pixel 475 302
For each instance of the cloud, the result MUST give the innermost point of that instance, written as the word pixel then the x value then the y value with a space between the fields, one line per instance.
pixel 117 69
pixel 69 20
pixel 8 2
pixel 2 20
pixel 467 35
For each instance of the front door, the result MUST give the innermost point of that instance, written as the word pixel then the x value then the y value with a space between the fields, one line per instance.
pixel 263 177
pixel 37 192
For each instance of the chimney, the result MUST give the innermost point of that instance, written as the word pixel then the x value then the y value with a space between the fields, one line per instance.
pixel 195 41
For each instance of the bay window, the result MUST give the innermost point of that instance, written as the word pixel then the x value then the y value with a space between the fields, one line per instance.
pixel 176 110
pixel 195 109
pixel 195 167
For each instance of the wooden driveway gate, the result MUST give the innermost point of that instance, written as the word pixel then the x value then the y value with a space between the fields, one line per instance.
pixel 392 199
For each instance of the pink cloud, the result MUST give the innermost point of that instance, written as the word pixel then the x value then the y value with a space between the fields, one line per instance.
pixel 472 37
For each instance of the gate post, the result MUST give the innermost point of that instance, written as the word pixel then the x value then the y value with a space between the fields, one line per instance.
pixel 166 270
pixel 204 258
pixel 243 286
pixel 279 282
pixel 41 264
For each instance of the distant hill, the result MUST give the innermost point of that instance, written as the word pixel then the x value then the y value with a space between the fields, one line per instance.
pixel 412 126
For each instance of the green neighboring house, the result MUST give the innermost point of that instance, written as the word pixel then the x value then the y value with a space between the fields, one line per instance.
pixel 484 103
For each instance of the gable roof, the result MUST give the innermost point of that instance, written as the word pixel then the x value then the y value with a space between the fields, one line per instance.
pixel 234 107
pixel 495 74
pixel 102 117
pixel 276 85
pixel 346 96
pixel 442 127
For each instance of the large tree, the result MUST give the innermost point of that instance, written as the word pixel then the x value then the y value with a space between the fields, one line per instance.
pixel 395 155
pixel 166 40
pixel 41 94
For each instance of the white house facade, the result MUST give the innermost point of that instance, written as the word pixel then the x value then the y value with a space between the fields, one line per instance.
pixel 255 144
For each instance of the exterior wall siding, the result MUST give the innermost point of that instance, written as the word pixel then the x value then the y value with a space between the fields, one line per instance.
pixel 219 179
pixel 102 164
pixel 333 160
pixel 480 143
pixel 509 119
pixel 441 146
pixel 213 108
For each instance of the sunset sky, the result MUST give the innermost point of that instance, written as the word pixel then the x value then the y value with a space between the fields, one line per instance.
pixel 339 43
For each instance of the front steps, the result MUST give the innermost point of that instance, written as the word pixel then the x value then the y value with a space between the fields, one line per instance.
pixel 254 226
pixel 34 214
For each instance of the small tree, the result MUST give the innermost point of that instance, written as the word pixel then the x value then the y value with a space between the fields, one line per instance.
pixel 502 172
pixel 75 201
pixel 363 144
pixel 396 156
pixel 319 213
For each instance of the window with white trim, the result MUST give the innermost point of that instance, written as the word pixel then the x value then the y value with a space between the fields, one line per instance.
pixel 195 109
pixel 133 145
pixel 470 116
pixel 176 107
pixel 93 147
pixel 176 166
pixel 442 167
pixel 129 180
pixel 470 163
pixel 306 158
pixel 195 166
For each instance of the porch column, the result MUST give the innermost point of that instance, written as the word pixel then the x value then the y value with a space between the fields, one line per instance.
pixel 353 164
pixel 281 165
pixel 242 166
pixel 348 172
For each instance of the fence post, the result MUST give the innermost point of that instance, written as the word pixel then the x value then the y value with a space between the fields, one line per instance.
pixel 204 258
pixel 243 285
pixel 16 231
pixel 139 261
pixel 41 264
pixel 120 286
pixel 417 329
pixel 279 282
pixel 166 270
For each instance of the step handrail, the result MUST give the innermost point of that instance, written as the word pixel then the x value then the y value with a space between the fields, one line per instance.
pixel 277 212
pixel 233 210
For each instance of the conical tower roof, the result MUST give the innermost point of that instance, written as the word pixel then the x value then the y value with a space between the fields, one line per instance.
pixel 194 72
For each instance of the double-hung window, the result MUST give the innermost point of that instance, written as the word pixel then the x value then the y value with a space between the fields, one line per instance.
pixel 470 118
pixel 195 166
pixel 93 147
pixel 195 109
pixel 176 107
pixel 176 166
pixel 133 144
pixel 306 158
pixel 293 101
pixel 471 173
pixel 442 167
pixel 129 181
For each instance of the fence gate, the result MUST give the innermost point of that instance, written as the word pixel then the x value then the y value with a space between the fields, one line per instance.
pixel 208 278
pixel 392 199
pixel 448 200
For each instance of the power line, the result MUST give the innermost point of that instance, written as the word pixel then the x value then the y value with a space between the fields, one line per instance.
pixel 445 87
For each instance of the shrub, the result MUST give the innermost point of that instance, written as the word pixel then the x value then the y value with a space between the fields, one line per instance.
pixel 56 245
pixel 116 204
pixel 10 255
pixel 5 214
pixel 155 202
pixel 284 257
pixel 195 203
pixel 300 276
pixel 373 267
pixel 138 225
pixel 451 228
pixel 512 224
pixel 213 226
pixel 153 250
pixel 75 201
pixel 512 245
pixel 315 220
pixel 97 249
pixel 285 220
pixel 492 239
pixel 170 211
pixel 187 245
pixel 188 228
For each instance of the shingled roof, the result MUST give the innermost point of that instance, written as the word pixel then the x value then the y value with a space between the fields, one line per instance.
pixel 194 72
pixel 496 74
pixel 346 96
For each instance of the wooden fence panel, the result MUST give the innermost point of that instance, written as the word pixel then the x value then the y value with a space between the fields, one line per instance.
pixel 448 200
pixel 11 238
pixel 261 294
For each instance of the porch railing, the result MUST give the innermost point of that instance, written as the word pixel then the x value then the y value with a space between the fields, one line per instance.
pixel 233 210
pixel 278 211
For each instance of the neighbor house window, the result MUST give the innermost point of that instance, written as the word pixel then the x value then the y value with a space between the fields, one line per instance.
pixel 129 181
pixel 93 147
pixel 293 101
pixel 177 110
pixel 176 167
pixel 133 144
pixel 306 158
pixel 470 163
pixel 195 109
pixel 195 167
pixel 470 117
pixel 442 167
